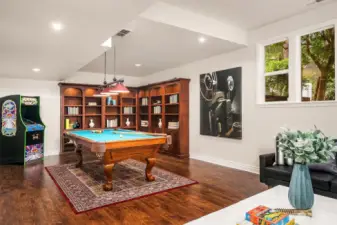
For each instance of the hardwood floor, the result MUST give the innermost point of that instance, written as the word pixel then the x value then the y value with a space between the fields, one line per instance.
pixel 29 196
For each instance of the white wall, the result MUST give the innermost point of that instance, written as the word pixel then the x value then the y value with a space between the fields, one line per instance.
pixel 50 106
pixel 260 124
pixel 50 100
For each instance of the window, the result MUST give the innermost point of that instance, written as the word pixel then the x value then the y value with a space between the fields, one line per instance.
pixel 276 70
pixel 299 67
pixel 318 65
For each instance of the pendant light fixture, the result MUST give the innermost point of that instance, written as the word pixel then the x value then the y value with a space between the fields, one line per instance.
pixel 113 88
pixel 119 86
pixel 104 90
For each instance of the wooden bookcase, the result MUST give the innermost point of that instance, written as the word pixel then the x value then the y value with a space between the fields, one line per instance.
pixel 159 105
pixel 159 95
pixel 80 96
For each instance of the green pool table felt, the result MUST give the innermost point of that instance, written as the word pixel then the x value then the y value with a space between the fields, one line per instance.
pixel 112 135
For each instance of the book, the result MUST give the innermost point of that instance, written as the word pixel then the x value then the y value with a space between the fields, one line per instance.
pixel 263 215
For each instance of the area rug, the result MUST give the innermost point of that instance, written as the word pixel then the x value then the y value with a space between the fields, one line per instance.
pixel 82 187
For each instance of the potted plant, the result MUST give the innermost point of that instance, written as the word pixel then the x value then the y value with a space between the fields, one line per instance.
pixel 304 148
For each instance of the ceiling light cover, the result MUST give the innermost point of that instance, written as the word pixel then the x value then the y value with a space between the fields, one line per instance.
pixel 202 40
pixel 138 65
pixel 119 88
pixel 57 26
pixel 36 70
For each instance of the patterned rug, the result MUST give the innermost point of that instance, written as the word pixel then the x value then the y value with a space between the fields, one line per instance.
pixel 83 186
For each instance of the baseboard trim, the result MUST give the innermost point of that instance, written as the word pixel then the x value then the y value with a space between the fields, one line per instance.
pixel 227 163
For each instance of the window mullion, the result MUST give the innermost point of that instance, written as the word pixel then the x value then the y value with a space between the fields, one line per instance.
pixel 295 79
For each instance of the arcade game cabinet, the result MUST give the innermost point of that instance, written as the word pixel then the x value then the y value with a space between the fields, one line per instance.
pixel 22 130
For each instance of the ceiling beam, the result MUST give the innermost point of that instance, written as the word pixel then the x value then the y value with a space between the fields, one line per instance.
pixel 174 16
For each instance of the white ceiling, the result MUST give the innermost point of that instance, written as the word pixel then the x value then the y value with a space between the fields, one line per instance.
pixel 26 40
pixel 157 47
pixel 247 14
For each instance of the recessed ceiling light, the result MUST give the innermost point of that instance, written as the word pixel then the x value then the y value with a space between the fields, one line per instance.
pixel 202 40
pixel 138 65
pixel 36 70
pixel 57 26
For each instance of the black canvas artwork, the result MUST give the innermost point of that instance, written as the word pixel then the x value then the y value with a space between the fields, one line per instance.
pixel 221 103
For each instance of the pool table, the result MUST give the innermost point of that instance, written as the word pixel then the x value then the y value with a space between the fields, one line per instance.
pixel 114 145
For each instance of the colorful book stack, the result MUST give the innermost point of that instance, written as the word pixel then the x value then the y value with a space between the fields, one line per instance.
pixel 145 101
pixel 156 109
pixel 144 123
pixel 173 125
pixel 128 110
pixel 73 110
pixel 174 99
pixel 264 215
pixel 112 123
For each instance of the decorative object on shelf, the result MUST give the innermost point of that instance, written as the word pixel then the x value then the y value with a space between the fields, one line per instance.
pixel 127 122
pixel 173 125
pixel 157 102
pixel 173 99
pixel 145 101
pixel 8 127
pixel 160 124
pixel 305 148
pixel 91 124
pixel 157 109
pixel 73 110
pixel 144 123
pixel 221 103
pixel 128 110
pixel 112 123
pixel 109 101
pixel 76 125
pixel 92 103
pixel 67 124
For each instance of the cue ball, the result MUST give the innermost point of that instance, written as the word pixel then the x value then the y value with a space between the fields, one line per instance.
pixel 121 135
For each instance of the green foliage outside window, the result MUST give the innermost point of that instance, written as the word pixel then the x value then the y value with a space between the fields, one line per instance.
pixel 276 59
pixel 318 63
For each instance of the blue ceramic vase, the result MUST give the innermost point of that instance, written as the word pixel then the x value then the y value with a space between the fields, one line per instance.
pixel 301 193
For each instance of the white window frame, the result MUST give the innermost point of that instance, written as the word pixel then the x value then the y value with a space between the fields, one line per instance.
pixel 294 68
pixel 275 73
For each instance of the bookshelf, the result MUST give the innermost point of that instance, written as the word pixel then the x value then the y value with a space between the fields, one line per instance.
pixel 169 102
pixel 79 105
pixel 144 107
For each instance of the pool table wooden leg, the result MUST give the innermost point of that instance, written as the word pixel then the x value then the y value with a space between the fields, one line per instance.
pixel 150 164
pixel 108 174
pixel 79 156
